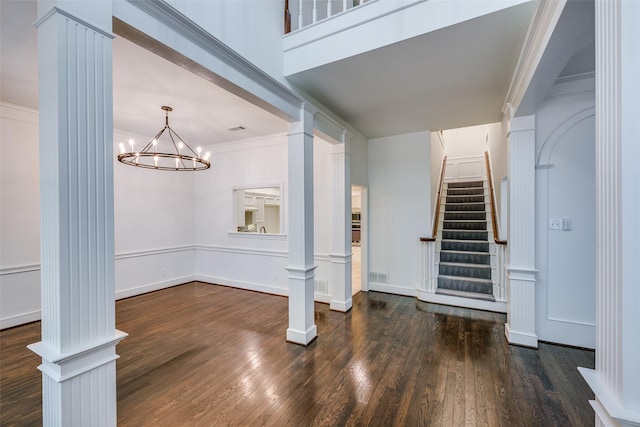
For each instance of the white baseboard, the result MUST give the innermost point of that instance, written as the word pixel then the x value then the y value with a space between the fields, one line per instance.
pixel 497 306
pixel 20 319
pixel 520 338
pixel 390 289
pixel 274 290
pixel 131 292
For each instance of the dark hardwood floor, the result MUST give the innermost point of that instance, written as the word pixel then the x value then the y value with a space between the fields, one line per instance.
pixel 206 355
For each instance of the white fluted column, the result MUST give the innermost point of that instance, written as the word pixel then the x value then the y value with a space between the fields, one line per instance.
pixel 301 267
pixel 521 273
pixel 616 379
pixel 76 188
pixel 341 245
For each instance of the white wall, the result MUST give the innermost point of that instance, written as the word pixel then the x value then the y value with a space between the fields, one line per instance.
pixel 253 28
pixel 359 152
pixel 469 141
pixel 400 209
pixel 565 187
pixel 153 212
pixel 498 153
pixel 248 260
pixel 154 228
pixel 19 216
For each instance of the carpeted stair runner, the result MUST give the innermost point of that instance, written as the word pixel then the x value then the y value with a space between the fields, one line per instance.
pixel 465 264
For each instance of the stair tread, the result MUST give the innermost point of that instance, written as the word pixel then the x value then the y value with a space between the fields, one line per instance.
pixel 450 251
pixel 465 294
pixel 464 220
pixel 468 279
pixel 464 230
pixel 464 264
pixel 465 241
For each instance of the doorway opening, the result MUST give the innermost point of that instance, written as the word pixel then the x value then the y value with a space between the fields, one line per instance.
pixel 358 239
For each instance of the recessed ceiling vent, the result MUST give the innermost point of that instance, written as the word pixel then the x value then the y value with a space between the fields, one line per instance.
pixel 236 128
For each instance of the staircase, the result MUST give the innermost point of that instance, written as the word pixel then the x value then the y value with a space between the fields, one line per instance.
pixel 465 262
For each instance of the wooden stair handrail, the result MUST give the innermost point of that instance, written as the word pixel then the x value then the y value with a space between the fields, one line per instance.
pixel 434 233
pixel 492 196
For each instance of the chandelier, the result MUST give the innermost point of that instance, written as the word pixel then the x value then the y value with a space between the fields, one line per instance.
pixel 169 155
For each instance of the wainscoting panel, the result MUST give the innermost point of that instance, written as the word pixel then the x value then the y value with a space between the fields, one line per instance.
pixel 464 169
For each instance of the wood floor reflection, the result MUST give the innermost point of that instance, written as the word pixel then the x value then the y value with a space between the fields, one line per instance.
pixel 206 355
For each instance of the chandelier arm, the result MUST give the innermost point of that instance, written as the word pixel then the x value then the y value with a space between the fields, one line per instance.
pixel 185 144
pixel 150 143
pixel 180 157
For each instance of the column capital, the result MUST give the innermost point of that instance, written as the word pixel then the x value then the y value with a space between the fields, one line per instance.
pixel 95 14
pixel 522 124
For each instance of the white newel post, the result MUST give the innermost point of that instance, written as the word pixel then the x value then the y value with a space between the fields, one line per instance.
pixel 616 379
pixel 77 233
pixel 301 267
pixel 521 273
pixel 341 252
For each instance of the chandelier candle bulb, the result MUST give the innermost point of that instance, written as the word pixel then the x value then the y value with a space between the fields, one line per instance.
pixel 168 148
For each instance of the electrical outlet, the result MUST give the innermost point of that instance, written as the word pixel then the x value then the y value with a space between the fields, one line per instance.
pixel 555 224
pixel 163 272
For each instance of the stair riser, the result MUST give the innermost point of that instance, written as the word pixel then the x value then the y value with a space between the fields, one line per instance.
pixel 465 216
pixel 464 246
pixel 454 225
pixel 463 285
pixel 464 207
pixel 460 271
pixel 465 192
pixel 464 235
pixel 465 258
pixel 465 199
pixel 465 184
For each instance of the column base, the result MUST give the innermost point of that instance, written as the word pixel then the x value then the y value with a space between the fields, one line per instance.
pixel 88 371
pixel 608 407
pixel 301 337
pixel 520 338
pixel 341 306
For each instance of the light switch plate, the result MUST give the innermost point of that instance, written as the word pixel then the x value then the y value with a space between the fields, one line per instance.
pixel 555 224
pixel 567 224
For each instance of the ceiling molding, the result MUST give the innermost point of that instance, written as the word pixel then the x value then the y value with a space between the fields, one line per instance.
pixel 544 20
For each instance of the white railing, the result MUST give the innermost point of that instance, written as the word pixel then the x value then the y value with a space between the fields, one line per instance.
pixel 308 12
pixel 429 276
pixel 500 282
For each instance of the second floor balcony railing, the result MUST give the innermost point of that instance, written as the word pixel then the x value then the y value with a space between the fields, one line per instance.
pixel 302 13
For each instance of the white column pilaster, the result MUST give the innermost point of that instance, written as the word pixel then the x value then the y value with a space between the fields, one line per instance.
pixel 341 239
pixel 521 273
pixel 301 267
pixel 77 232
pixel 616 379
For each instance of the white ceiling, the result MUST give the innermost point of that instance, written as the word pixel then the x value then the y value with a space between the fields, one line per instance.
pixel 454 77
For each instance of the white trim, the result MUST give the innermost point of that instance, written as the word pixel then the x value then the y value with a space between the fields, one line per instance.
pixel 64 366
pixel 245 251
pixel 20 319
pixel 544 20
pixel 258 236
pixel 150 287
pixel 150 252
pixel 520 338
pixel 610 403
pixel 497 306
pixel 391 289
pixel 249 286
pixel 26 268
pixel 18 113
